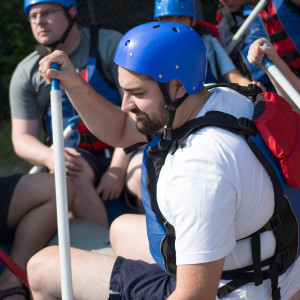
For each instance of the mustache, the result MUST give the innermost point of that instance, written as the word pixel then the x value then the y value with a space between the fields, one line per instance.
pixel 136 110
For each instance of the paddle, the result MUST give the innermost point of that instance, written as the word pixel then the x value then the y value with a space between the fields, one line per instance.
pixel 235 39
pixel 61 189
pixel 281 80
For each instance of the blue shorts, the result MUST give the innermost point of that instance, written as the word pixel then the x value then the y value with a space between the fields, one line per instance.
pixel 98 160
pixel 7 187
pixel 138 280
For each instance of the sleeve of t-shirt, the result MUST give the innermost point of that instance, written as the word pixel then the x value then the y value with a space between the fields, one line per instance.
pixel 23 104
pixel 223 60
pixel 108 43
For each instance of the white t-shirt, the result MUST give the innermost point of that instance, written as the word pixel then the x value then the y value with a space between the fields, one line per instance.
pixel 214 191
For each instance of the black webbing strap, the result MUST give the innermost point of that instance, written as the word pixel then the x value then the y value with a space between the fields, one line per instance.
pixel 216 119
pixel 256 257
pixel 270 18
pixel 278 36
pixel 273 270
pixel 238 282
pixel 290 56
pixel 171 106
pixel 94 52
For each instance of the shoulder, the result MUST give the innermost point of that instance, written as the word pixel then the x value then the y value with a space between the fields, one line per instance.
pixel 229 101
pixel 208 138
pixel 105 35
pixel 109 34
pixel 28 65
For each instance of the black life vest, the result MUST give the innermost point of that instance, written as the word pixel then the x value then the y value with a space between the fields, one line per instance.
pixel 272 135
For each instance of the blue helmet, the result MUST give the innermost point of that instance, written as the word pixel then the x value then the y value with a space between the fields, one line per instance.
pixel 174 7
pixel 65 3
pixel 165 51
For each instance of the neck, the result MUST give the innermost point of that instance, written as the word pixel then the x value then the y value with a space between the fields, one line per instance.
pixel 190 108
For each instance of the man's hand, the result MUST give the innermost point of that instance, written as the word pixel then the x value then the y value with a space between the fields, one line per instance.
pixel 67 74
pixel 257 52
pixel 73 161
pixel 111 184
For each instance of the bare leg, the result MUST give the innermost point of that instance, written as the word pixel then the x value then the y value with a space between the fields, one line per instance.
pixel 128 237
pixel 32 213
pixel 90 274
pixel 88 205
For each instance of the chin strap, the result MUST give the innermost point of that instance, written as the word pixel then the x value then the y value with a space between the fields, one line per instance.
pixel 171 107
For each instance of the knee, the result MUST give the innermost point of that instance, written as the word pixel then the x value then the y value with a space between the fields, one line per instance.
pixel 117 230
pixel 40 269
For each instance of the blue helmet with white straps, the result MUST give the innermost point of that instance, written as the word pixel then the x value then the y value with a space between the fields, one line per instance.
pixel 174 7
pixel 65 3
pixel 165 51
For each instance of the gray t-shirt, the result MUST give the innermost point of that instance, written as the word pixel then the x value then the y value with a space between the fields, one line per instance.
pixel 29 93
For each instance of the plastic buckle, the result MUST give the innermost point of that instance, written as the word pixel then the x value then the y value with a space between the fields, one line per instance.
pixel 275 222
pixel 246 124
pixel 258 281
pixel 276 294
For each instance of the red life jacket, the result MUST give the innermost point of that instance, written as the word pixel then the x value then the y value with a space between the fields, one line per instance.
pixel 279 36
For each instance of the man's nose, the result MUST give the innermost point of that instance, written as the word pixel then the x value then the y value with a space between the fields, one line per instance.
pixel 127 104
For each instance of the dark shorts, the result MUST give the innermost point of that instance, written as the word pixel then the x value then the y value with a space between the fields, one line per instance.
pixel 98 160
pixel 138 280
pixel 7 187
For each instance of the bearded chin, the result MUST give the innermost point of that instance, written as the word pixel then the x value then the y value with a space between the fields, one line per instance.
pixel 145 128
pixel 148 127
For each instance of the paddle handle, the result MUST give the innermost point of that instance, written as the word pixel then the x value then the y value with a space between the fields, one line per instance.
pixel 61 189
pixel 281 80
pixel 244 27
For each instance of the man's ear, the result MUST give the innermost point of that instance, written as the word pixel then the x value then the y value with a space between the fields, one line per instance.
pixel 72 12
pixel 176 89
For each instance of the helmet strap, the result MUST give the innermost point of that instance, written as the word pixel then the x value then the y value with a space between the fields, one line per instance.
pixel 171 107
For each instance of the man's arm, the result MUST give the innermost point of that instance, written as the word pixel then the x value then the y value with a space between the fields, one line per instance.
pixel 27 145
pixel 112 181
pixel 256 55
pixel 107 121
pixel 235 76
pixel 198 281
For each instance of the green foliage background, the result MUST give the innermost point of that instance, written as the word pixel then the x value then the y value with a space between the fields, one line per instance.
pixel 16 42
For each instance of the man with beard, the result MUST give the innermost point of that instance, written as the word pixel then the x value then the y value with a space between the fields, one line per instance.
pixel 196 189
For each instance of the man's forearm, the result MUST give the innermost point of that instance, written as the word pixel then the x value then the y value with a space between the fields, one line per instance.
pixel 103 118
pixel 32 150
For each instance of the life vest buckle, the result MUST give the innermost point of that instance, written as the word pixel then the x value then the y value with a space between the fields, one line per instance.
pixel 276 294
pixel 247 125
pixel 283 256
pixel 274 223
